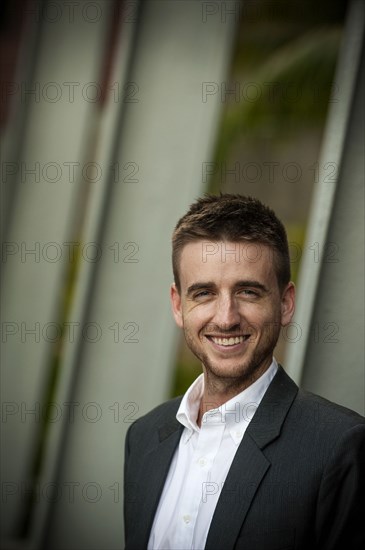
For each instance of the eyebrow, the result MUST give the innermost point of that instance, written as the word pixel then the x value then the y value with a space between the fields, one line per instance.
pixel 240 284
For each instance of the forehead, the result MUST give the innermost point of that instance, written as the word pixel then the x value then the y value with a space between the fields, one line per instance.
pixel 226 259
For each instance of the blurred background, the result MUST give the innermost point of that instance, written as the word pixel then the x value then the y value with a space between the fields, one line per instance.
pixel 115 116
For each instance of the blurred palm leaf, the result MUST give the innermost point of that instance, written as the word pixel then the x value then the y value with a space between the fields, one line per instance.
pixel 292 87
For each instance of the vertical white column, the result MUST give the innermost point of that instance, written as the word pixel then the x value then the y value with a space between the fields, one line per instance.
pixel 328 356
pixel 59 98
pixel 167 133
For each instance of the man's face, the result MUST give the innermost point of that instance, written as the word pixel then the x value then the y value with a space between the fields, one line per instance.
pixel 231 308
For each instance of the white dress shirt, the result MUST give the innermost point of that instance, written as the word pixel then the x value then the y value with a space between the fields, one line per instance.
pixel 201 463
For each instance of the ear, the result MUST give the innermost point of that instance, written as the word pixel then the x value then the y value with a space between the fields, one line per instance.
pixel 176 305
pixel 287 304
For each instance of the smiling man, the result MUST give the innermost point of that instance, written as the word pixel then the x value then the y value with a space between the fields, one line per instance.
pixel 231 308
pixel 244 459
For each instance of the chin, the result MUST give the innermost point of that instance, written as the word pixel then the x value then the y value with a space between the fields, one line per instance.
pixel 244 371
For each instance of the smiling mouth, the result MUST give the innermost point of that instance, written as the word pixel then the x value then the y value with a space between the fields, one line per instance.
pixel 230 341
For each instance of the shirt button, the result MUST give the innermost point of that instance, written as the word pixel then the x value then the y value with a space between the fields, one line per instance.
pixel 187 518
pixel 202 462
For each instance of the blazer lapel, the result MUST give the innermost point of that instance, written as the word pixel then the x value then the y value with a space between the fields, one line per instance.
pixel 250 464
pixel 153 475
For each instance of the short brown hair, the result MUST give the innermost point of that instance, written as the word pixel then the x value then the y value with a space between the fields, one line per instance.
pixel 232 218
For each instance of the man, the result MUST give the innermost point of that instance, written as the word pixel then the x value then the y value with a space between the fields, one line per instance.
pixel 244 459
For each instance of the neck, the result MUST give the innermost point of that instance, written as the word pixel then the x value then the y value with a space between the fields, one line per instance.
pixel 218 391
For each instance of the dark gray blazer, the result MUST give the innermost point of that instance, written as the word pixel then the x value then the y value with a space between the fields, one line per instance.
pixel 297 480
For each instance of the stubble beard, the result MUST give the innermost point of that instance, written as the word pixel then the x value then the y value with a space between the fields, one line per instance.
pixel 247 370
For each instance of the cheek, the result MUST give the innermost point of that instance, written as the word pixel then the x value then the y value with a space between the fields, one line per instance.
pixel 262 317
pixel 197 316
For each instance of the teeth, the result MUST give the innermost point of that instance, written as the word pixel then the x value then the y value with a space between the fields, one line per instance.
pixel 228 341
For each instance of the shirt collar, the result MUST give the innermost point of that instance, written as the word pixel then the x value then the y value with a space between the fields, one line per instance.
pixel 189 406
pixel 236 413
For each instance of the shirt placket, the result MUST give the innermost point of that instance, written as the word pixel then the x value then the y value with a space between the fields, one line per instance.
pixel 210 436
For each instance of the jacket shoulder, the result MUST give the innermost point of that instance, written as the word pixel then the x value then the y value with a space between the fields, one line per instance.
pixel 157 416
pixel 328 408
pixel 321 415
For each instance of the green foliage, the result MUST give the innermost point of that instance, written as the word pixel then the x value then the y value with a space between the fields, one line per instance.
pixel 187 370
pixel 292 87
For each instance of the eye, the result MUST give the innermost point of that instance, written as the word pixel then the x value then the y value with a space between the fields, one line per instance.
pixel 249 293
pixel 202 294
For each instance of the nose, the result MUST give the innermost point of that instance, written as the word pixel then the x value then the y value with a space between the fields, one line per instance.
pixel 227 314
